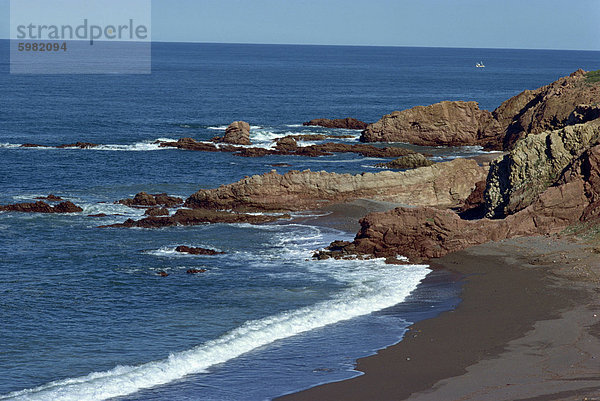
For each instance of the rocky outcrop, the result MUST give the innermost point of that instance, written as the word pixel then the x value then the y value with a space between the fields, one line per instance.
pixel 317 137
pixel 547 108
pixel 286 144
pixel 188 217
pixel 287 149
pixel 569 100
pixel 445 123
pixel 347 123
pixel 424 232
pixel 238 133
pixel 195 271
pixel 474 206
pixel 190 144
pixel 443 184
pixel 42 207
pixel 407 162
pixel 143 199
pixel 197 251
pixel 535 163
pixel 157 211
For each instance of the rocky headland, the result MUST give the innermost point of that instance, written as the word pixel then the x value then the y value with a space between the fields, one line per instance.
pixel 567 101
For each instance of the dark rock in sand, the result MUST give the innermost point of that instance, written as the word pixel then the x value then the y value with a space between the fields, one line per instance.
pixel 42 207
pixel 406 162
pixel 145 199
pixel 157 211
pixel 197 251
pixel 347 123
pixel 50 198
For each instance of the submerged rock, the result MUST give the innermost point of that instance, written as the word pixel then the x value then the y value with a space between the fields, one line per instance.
pixel 189 217
pixel 195 271
pixel 197 251
pixel 80 145
pixel 50 198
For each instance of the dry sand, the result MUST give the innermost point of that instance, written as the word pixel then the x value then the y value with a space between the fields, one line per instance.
pixel 527 328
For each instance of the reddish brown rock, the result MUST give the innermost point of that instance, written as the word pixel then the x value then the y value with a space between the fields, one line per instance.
pixel 347 123
pixel 157 211
pixel 197 251
pixel 423 232
pixel 31 145
pixel 50 198
pixel 163 273
pixel 195 271
pixel 474 206
pixel 443 184
pixel 547 108
pixel 286 144
pixel 567 101
pixel 188 217
pixel 145 199
pixel 80 145
pixel 42 207
pixel 98 215
pixel 238 133
pixel 445 123
pixel 190 144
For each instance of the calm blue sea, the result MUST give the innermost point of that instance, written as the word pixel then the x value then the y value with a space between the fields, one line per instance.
pixel 83 313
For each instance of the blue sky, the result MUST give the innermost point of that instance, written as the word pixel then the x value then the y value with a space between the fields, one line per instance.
pixel 539 24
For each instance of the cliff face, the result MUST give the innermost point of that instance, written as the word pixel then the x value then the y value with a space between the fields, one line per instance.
pixel 443 184
pixel 535 163
pixel 569 100
pixel 547 108
pixel 425 232
pixel 446 123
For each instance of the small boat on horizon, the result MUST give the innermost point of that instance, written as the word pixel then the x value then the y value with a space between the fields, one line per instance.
pixel 480 65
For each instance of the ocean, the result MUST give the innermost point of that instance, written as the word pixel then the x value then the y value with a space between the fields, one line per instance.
pixel 84 313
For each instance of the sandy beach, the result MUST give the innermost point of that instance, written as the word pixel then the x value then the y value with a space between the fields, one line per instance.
pixel 528 328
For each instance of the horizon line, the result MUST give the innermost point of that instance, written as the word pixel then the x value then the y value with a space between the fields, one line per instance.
pixel 339 45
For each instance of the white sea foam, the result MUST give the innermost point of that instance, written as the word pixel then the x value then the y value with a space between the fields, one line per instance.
pixel 369 286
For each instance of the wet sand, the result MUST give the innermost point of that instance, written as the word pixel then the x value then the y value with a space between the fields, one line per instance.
pixel 527 328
